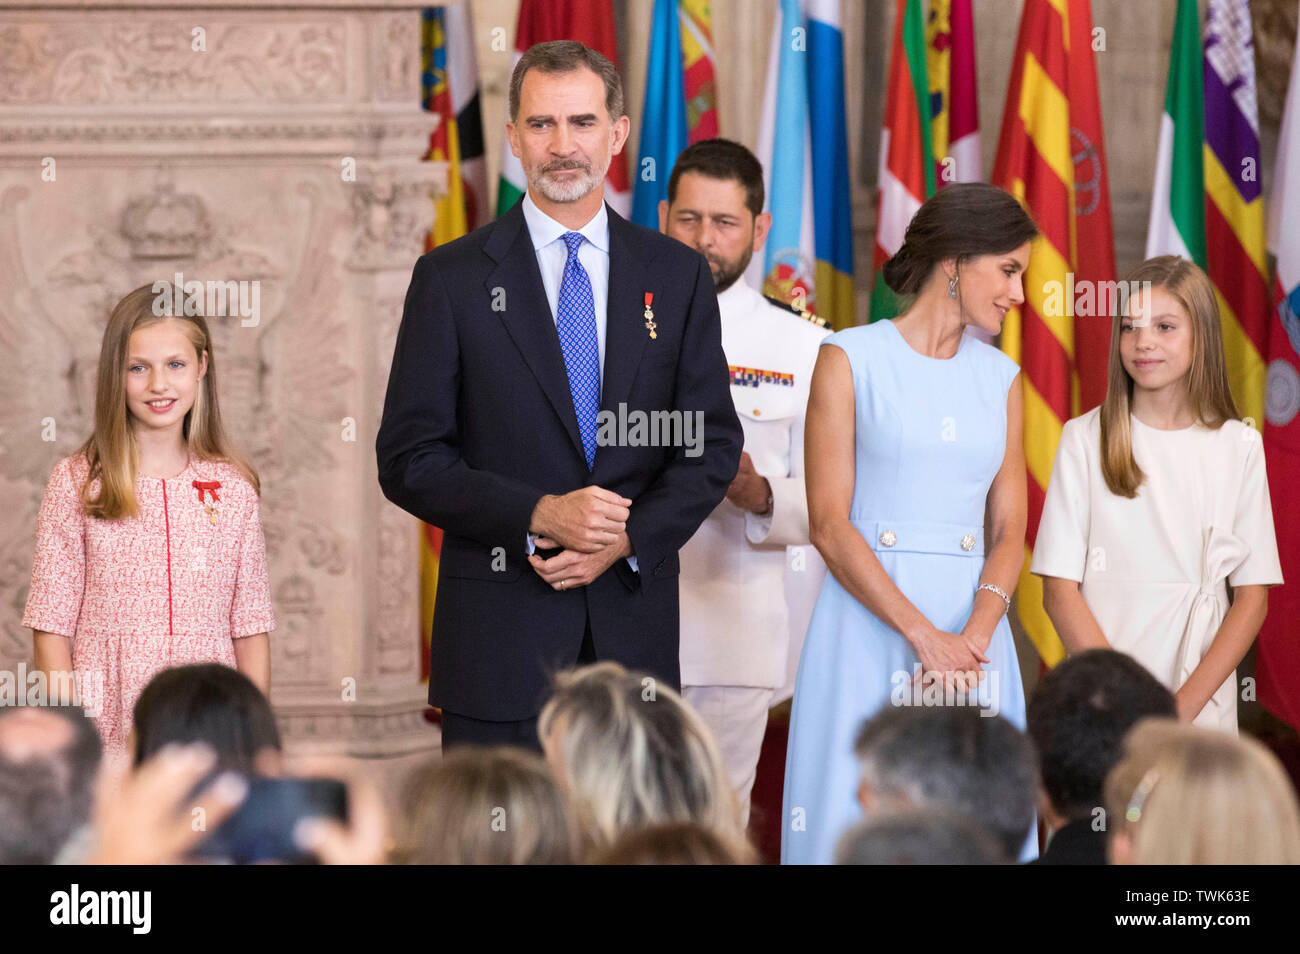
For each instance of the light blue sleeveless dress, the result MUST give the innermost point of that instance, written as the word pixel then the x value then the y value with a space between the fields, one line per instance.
pixel 931 436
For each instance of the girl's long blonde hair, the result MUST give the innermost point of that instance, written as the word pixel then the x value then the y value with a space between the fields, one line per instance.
pixel 111 450
pixel 1208 390
pixel 1201 797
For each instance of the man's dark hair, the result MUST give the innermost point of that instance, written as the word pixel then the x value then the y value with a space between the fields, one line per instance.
pixel 954 758
pixel 918 838
pixel 721 159
pixel 205 703
pixel 565 56
pixel 46 797
pixel 1078 718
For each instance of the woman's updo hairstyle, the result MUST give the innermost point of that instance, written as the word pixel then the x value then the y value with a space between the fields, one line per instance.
pixel 959 221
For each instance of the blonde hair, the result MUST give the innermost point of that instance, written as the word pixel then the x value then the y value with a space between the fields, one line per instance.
pixel 1208 389
pixel 497 806
pixel 635 754
pixel 1201 797
pixel 111 450
pixel 678 843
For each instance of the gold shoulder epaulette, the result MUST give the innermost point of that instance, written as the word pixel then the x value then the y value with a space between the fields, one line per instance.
pixel 805 315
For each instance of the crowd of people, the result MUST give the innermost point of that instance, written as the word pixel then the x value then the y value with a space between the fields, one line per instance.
pixel 632 775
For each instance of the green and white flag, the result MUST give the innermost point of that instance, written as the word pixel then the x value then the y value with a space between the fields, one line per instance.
pixel 1177 225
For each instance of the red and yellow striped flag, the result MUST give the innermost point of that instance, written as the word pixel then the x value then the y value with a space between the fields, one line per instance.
pixel 450 89
pixel 1036 164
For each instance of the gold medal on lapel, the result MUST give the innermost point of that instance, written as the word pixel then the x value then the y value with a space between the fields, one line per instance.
pixel 208 489
pixel 650 315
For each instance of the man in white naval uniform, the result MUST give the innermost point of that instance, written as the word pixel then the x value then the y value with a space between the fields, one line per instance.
pixel 735 570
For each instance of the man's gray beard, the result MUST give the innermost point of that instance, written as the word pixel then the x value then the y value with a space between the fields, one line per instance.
pixel 567 192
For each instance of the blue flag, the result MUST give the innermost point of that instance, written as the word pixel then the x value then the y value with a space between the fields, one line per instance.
pixel 663 116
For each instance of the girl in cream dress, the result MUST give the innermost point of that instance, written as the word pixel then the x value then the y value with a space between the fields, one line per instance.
pixel 1157 534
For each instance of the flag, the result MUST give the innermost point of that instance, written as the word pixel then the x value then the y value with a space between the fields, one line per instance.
pixel 663 115
pixel 450 82
pixel 1207 204
pixel 1094 237
pixel 954 93
pixel 907 171
pixel 1052 91
pixel 697 66
pixel 1234 203
pixel 954 101
pixel 450 89
pixel 1177 223
pixel 786 268
pixel 832 204
pixel 590 22
pixel 1278 660
pixel 808 258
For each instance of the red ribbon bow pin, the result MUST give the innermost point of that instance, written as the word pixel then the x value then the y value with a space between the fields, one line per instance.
pixel 210 486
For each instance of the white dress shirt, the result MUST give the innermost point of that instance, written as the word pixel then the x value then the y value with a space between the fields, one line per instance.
pixel 553 254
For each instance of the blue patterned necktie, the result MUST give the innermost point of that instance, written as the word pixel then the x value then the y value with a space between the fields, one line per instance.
pixel 575 320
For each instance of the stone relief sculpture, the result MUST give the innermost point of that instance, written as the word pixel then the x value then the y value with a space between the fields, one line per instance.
pixel 224 164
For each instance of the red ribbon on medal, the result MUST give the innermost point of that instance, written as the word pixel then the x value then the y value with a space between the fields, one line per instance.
pixel 211 486
pixel 650 325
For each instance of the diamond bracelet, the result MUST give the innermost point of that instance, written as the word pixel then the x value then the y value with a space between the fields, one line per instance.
pixel 998 590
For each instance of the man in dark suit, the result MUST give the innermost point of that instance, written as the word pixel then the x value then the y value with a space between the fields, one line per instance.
pixel 558 385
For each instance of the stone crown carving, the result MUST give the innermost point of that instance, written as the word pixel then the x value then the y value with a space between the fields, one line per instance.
pixel 163 224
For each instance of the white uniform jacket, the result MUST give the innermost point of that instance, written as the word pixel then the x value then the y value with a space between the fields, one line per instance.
pixel 736 623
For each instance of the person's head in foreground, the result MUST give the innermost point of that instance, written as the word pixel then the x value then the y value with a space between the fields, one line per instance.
pixel 918 837
pixel 677 843
pixel 208 703
pixel 628 752
pixel 493 806
pixel 956 759
pixel 1078 718
pixel 49 760
pixel 1182 795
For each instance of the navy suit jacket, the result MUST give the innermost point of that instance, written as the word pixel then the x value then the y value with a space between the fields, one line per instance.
pixel 479 424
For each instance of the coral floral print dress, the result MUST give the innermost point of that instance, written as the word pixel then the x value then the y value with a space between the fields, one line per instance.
pixel 174 585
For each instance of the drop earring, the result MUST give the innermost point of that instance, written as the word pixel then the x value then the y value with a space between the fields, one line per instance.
pixel 952 287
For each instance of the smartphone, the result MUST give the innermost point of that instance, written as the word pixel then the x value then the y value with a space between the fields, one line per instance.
pixel 261 829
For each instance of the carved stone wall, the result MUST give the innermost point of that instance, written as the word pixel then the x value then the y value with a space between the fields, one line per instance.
pixel 276 145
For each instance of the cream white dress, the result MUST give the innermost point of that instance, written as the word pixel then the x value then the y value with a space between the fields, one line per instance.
pixel 1155 569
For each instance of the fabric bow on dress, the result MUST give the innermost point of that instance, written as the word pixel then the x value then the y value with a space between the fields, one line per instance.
pixel 1221 554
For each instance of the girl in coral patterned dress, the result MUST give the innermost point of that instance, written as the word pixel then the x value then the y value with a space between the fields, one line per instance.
pixel 149 547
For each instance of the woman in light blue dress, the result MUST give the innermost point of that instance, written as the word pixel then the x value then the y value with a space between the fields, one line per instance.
pixel 913 437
